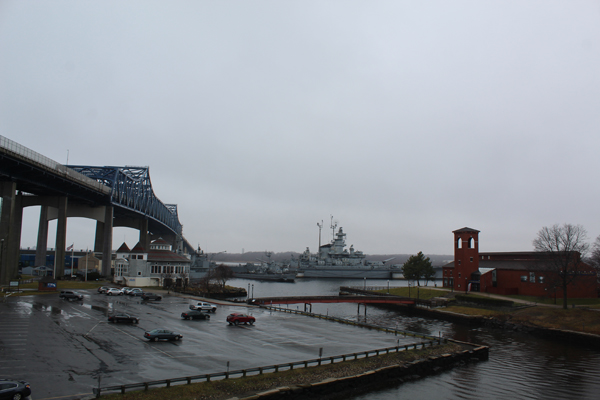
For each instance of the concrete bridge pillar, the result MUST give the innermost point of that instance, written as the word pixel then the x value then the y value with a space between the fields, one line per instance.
pixel 61 238
pixel 11 217
pixel 42 239
pixel 107 241
pixel 144 234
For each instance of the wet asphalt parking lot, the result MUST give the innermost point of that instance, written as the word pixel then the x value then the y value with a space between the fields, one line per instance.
pixel 63 348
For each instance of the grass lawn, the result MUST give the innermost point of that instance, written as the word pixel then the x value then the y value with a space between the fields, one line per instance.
pixel 572 319
pixel 61 285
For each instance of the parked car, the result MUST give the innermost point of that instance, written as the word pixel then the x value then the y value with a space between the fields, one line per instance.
pixel 70 295
pixel 114 292
pixel 238 318
pixel 157 334
pixel 151 296
pixel 126 290
pixel 194 314
pixel 13 389
pixel 123 318
pixel 202 306
pixel 103 289
pixel 136 292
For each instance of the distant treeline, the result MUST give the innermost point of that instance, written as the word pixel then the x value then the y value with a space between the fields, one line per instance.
pixel 437 260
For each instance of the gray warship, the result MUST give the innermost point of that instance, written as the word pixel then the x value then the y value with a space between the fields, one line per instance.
pixel 267 271
pixel 335 261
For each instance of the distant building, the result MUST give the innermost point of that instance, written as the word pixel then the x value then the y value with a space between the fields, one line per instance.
pixel 155 267
pixel 508 273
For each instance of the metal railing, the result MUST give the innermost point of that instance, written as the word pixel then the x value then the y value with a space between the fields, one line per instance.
pixel 352 322
pixel 266 369
pixel 22 152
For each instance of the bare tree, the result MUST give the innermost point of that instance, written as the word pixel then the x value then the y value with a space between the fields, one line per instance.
pixel 563 249
pixel 222 274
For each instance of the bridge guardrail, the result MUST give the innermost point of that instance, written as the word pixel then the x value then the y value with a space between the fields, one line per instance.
pixel 266 369
pixel 29 155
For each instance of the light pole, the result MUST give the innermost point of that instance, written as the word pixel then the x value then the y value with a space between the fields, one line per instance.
pixel 388 286
pixel 365 284
pixel 252 290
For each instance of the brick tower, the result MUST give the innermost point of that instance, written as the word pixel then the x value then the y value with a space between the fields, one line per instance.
pixel 466 259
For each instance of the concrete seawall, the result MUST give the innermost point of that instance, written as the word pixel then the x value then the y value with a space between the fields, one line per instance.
pixel 391 375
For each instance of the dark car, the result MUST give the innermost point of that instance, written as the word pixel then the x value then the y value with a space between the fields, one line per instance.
pixel 238 318
pixel 157 334
pixel 13 389
pixel 135 292
pixel 151 296
pixel 70 295
pixel 123 318
pixel 194 314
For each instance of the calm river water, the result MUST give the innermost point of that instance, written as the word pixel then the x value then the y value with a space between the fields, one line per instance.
pixel 520 366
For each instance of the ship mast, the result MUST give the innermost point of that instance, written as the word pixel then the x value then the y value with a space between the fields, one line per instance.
pixel 333 226
pixel 320 226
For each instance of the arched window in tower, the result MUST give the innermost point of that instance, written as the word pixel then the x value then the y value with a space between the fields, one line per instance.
pixel 459 243
pixel 470 243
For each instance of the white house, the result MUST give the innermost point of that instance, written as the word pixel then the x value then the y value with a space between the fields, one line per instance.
pixel 138 267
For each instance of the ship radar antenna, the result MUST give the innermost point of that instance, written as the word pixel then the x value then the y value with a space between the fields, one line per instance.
pixel 333 225
pixel 320 225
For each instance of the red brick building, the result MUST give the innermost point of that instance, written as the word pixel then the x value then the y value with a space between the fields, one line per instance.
pixel 523 273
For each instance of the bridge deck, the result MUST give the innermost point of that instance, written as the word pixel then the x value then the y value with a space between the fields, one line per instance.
pixel 334 299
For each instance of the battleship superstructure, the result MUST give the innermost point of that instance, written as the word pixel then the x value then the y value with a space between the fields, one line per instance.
pixel 335 261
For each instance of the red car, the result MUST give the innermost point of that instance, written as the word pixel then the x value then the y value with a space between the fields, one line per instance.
pixel 237 318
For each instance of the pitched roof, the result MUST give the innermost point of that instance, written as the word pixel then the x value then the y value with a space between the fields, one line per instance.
pixel 123 249
pixel 165 256
pixel 138 248
pixel 465 229
pixel 159 241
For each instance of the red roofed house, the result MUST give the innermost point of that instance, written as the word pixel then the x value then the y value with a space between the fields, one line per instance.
pixel 509 273
pixel 138 267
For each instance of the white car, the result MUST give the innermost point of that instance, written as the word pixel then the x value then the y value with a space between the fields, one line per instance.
pixel 202 306
pixel 114 292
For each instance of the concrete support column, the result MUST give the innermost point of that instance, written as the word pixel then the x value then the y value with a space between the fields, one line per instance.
pixel 14 241
pixel 107 241
pixel 99 237
pixel 9 258
pixel 42 239
pixel 144 234
pixel 61 238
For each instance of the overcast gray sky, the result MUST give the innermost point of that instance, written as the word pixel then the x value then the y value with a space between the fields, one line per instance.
pixel 404 120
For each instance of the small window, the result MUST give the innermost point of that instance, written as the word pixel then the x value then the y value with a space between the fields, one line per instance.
pixel 471 259
pixel 540 279
pixel 523 278
pixel 139 272
pixel 532 277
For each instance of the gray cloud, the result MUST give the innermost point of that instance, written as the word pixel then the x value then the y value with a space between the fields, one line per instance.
pixel 405 121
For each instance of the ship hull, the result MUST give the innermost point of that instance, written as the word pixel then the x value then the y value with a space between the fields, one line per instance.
pixel 349 273
pixel 268 277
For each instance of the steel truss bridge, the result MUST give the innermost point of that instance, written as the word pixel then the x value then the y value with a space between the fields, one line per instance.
pixel 131 189
pixel 113 196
